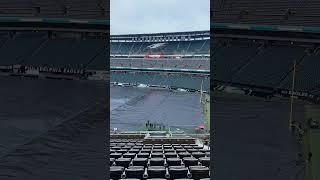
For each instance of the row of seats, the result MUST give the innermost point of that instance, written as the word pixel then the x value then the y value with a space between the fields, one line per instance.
pixel 172 172
pixel 36 49
pixel 162 63
pixel 189 81
pixel 169 48
pixel 270 12
pixel 134 159
pixel 267 66
pixel 82 9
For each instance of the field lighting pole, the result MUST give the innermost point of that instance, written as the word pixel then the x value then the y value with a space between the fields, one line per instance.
pixel 291 99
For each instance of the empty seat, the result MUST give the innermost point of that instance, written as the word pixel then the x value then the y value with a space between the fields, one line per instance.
pixel 116 172
pixel 129 155
pixel 156 172
pixel 199 172
pixel 124 162
pixel 181 150
pixel 136 151
pixel 116 148
pixel 157 155
pixel 205 161
pixel 157 150
pixel 174 162
pixel 198 154
pixel 197 147
pixel 168 150
pixel 143 155
pixel 134 172
pixel 192 150
pixel 122 151
pixel 140 162
pixel 115 155
pixel 170 155
pixel 204 150
pixel 190 161
pixel 156 162
pixel 184 154
pixel 188 147
pixel 178 172
pixel 145 151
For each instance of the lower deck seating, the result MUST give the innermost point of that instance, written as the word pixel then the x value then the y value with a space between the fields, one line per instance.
pixel 132 159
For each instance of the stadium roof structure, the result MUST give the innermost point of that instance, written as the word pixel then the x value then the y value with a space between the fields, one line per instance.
pixel 58 24
pixel 170 36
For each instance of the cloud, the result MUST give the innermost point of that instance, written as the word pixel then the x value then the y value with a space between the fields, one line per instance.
pixel 152 16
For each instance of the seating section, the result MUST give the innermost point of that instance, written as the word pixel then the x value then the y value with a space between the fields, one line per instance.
pixel 161 63
pixel 271 12
pixel 251 63
pixel 191 47
pixel 133 159
pixel 79 9
pixel 35 49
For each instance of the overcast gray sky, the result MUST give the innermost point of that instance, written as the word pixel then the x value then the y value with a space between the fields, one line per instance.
pixel 152 16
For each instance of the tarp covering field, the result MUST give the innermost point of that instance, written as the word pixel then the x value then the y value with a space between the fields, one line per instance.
pixel 132 107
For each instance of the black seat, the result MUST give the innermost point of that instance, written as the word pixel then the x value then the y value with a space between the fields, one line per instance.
pixel 156 162
pixel 204 150
pixel 170 155
pixel 190 161
pixel 157 147
pixel 115 155
pixel 178 172
pixel 140 162
pixel 156 172
pixel 143 155
pixel 124 162
pixel 174 162
pixel 197 147
pixel 180 150
pixel 122 151
pixel 192 150
pixel 116 172
pixel 136 151
pixel 145 151
pixel 205 161
pixel 199 172
pixel 129 155
pixel 116 148
pixel 157 155
pixel 135 172
pixel 198 154
pixel 127 147
pixel 188 147
pixel 157 150
pixel 168 150
pixel 184 154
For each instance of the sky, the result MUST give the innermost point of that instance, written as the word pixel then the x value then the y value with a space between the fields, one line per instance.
pixel 153 16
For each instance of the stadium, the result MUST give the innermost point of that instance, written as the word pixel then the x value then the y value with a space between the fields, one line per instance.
pixel 53 73
pixel 266 89
pixel 160 115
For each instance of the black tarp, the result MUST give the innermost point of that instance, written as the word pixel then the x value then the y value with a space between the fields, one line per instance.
pixel 53 129
pixel 252 139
